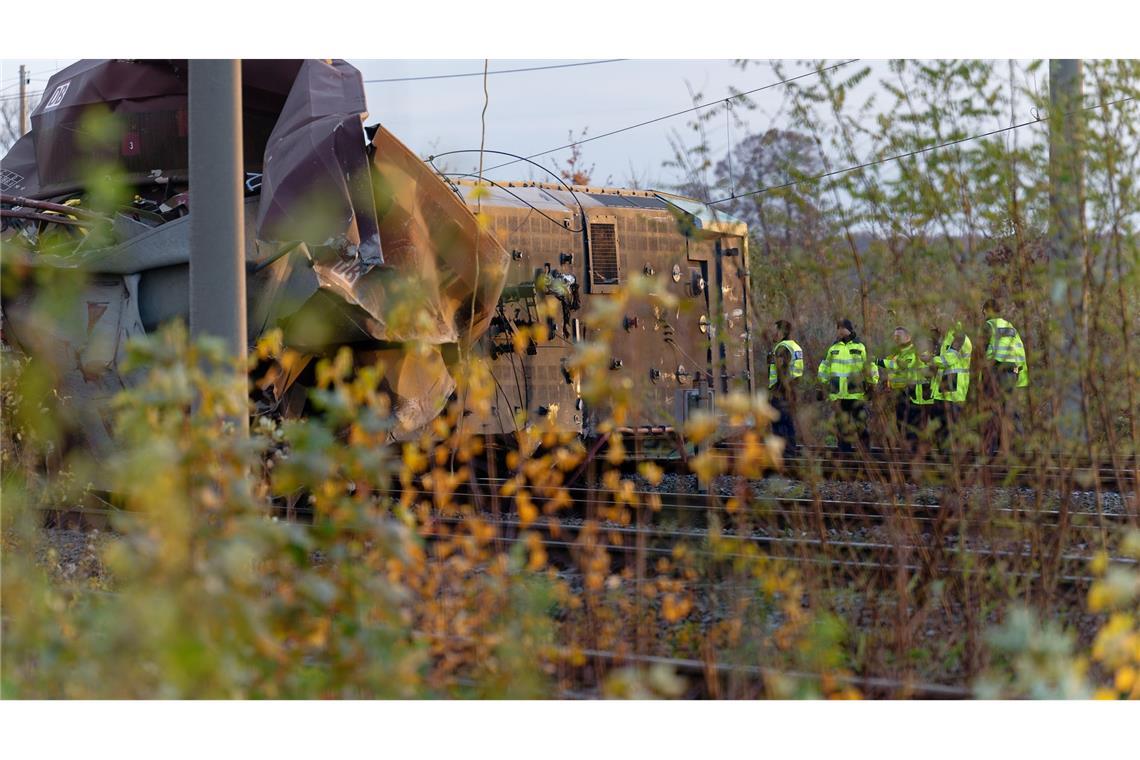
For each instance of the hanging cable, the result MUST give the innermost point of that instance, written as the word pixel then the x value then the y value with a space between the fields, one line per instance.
pixel 1036 120
pixel 431 160
pixel 728 150
pixel 516 196
pixel 478 235
pixel 671 115
pixel 479 196
pixel 16 95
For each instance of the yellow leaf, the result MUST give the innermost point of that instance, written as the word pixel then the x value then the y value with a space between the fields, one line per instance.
pixel 1125 679
pixel 699 427
pixel 528 513
pixel 1099 562
pixel 707 465
pixel 651 472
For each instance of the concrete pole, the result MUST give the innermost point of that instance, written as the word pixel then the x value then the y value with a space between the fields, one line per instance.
pixel 1066 161
pixel 1067 216
pixel 23 100
pixel 217 224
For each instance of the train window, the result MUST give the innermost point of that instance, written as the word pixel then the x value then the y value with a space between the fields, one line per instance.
pixel 605 272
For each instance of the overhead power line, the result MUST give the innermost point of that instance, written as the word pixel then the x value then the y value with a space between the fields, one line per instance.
pixel 497 71
pixel 41 74
pixel 413 79
pixel 919 151
pixel 676 113
pixel 38 76
pixel 16 95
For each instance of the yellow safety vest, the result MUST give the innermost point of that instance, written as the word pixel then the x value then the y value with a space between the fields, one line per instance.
pixel 906 370
pixel 795 367
pixel 1005 347
pixel 845 368
pixel 952 379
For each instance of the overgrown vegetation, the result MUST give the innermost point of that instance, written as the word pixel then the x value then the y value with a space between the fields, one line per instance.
pixel 408 572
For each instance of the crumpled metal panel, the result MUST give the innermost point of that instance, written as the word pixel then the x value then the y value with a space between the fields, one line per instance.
pixel 443 271
pixel 418 383
pixel 316 186
pixel 397 257
pixel 149 136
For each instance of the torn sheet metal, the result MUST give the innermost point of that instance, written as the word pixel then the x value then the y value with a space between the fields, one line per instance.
pixel 317 187
pixel 350 238
pixel 420 213
pixel 352 205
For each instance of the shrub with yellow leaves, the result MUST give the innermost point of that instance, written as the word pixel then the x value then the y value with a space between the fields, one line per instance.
pixel 407 572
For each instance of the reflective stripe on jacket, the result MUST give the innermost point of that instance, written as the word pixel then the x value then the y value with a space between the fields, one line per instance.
pixel 795 366
pixel 905 371
pixel 1005 347
pixel 845 368
pixel 952 379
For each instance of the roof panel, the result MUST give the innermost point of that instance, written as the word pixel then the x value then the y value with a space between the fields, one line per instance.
pixel 627 201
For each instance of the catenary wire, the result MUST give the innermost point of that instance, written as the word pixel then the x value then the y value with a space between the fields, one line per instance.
pixel 917 152
pixel 431 160
pixel 507 190
pixel 38 74
pixel 675 113
pixel 496 71
pixel 16 95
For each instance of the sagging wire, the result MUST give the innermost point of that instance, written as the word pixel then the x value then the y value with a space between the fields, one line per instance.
pixel 675 113
pixel 497 71
pixel 516 196
pixel 569 189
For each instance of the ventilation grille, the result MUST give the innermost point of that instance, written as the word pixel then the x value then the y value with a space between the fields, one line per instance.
pixel 603 254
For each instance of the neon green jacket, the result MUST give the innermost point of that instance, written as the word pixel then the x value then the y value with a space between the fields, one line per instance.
pixel 1005 347
pixel 906 371
pixel 845 369
pixel 795 366
pixel 952 365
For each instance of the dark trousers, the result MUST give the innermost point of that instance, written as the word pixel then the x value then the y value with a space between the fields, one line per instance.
pixel 944 418
pixel 908 415
pixel 1003 419
pixel 851 424
pixel 785 427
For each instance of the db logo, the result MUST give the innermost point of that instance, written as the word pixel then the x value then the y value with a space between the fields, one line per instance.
pixel 57 96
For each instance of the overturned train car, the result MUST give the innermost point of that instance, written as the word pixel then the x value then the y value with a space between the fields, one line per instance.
pixel 350 239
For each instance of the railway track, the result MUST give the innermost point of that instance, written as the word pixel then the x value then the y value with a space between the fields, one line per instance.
pixel 889 529
pixel 833 536
pixel 893 466
pixel 869 686
pixel 773 512
pixel 854 556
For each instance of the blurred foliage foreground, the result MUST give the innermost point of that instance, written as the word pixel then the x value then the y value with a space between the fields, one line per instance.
pixel 201 592
pixel 403 586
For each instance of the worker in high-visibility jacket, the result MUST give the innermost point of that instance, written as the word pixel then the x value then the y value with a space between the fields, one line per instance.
pixel 785 369
pixel 846 372
pixel 908 377
pixel 951 384
pixel 1005 370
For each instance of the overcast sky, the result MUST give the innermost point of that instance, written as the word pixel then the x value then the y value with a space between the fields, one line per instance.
pixel 530 112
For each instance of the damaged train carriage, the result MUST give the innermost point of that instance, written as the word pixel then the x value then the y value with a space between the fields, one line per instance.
pixel 350 239
pixel 580 244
